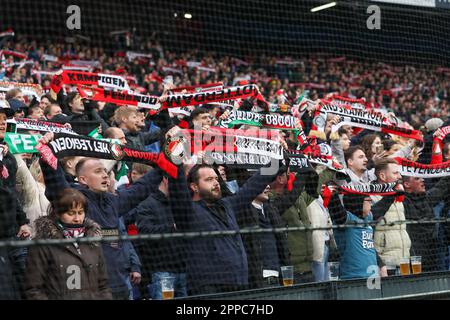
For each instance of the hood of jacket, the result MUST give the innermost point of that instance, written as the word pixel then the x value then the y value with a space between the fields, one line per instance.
pixel 46 228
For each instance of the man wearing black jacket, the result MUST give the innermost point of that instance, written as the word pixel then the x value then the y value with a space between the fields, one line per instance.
pixel 75 112
pixel 419 205
pixel 163 257
pixel 267 252
pixel 127 119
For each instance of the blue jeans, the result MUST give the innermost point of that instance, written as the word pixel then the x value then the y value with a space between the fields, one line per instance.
pixel 8 288
pixel 447 260
pixel 18 259
pixel 180 286
pixel 320 269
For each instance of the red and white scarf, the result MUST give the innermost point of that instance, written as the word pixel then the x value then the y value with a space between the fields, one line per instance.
pixel 171 101
pixel 38 125
pixel 353 103
pixel 376 189
pixel 361 119
pixel 71 77
pixel 120 97
pixel 224 141
pixel 438 145
pixel 34 90
pixel 420 170
pixel 318 154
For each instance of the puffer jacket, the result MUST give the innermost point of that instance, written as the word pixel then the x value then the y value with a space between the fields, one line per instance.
pixel 392 242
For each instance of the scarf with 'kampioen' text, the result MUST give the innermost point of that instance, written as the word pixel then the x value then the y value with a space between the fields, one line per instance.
pixel 72 77
pixel 361 119
pixel 376 189
pixel 380 189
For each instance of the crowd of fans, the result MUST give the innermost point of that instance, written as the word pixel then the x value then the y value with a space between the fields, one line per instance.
pixel 93 197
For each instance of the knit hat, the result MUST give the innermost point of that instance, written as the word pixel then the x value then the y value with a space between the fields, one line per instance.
pixel 17 105
pixel 433 123
pixel 5 108
pixel 8 111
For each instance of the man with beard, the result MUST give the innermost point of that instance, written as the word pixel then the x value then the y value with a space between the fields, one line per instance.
pixel 214 264
pixel 128 120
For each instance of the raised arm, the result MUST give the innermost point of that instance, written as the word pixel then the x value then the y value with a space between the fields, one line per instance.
pixel 28 186
pixel 10 182
pixel 30 190
pixel 380 208
pixel 254 186
pixel 95 116
pixel 440 190
pixel 288 198
pixel 162 120
pixel 336 148
pixel 129 198
pixel 337 212
pixel 181 202
pixel 54 180
pixel 151 137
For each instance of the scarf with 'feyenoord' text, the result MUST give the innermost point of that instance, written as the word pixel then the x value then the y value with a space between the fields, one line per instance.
pixel 171 101
pixel 420 170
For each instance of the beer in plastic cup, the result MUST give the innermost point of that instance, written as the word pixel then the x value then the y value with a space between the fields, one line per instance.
pixel 404 266
pixel 287 272
pixel 167 287
pixel 416 264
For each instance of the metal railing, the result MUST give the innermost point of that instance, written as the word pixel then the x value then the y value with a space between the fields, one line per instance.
pixel 432 285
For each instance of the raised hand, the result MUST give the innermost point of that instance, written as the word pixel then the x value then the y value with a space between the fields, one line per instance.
pixel 46 138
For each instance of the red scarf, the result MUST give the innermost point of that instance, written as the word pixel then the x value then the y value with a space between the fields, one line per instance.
pixel 438 145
